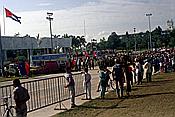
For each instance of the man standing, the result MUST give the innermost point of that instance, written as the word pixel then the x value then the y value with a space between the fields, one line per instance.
pixel 118 76
pixel 21 96
pixel 71 86
pixel 149 70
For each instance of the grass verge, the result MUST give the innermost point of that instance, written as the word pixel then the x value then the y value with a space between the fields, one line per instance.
pixel 149 99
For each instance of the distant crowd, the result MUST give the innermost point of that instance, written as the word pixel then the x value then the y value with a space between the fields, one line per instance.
pixel 129 68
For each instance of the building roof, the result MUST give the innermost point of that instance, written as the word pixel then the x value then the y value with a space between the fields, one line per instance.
pixel 14 43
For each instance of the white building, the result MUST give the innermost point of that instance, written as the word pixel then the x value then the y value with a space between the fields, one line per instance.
pixel 16 43
pixel 170 25
pixel 29 43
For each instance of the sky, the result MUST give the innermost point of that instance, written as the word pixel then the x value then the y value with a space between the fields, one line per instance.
pixel 92 18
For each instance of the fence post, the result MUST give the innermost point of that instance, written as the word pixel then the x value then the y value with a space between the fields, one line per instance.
pixel 59 99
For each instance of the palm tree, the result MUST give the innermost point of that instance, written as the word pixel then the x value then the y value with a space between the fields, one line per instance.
pixel 81 40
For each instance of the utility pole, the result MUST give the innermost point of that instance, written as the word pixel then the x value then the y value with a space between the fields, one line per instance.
pixel 50 19
pixel 149 23
pixel 127 43
pixel 135 45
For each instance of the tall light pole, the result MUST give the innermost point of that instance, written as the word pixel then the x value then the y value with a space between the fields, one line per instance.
pixel 135 45
pixel 50 19
pixel 149 21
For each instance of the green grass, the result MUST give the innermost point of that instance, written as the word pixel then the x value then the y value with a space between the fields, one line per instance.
pixel 3 79
pixel 111 106
pixel 93 107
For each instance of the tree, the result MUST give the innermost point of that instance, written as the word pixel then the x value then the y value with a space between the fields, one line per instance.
pixel 157 37
pixel 75 41
pixel 113 41
pixel 102 44
pixel 172 38
pixel 65 36
pixel 82 40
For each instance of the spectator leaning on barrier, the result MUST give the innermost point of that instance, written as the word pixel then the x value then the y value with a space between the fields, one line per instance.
pixel 21 96
pixel 87 83
pixel 71 86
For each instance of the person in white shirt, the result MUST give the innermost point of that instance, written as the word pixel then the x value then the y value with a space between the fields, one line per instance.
pixel 71 86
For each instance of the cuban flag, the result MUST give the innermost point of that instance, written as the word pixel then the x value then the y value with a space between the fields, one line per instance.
pixel 12 16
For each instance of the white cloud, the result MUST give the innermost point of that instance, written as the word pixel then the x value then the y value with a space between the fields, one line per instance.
pixel 92 3
pixel 101 18
pixel 45 4
pixel 103 33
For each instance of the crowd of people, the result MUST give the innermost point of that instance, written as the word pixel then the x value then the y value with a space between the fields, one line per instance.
pixel 126 68
pixel 130 68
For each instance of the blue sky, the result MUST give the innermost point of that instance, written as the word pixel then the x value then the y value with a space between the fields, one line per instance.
pixel 101 16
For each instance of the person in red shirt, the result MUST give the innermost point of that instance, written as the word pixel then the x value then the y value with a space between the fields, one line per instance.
pixel 128 71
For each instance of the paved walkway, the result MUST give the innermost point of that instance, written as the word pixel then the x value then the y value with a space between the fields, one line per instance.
pixel 49 111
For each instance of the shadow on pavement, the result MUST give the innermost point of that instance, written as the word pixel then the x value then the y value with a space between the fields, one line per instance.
pixel 114 106
pixel 147 95
pixel 148 85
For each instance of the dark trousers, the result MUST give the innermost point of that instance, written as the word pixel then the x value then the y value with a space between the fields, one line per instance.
pixel 140 77
pixel 148 77
pixel 103 88
pixel 128 82
pixel 119 88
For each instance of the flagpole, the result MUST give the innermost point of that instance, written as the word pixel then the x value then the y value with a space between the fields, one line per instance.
pixel 84 28
pixel 1 54
pixel 4 19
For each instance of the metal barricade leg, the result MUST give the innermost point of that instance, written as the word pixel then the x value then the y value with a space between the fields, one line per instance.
pixel 60 104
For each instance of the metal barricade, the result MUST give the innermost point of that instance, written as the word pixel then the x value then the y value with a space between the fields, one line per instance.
pixel 45 92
